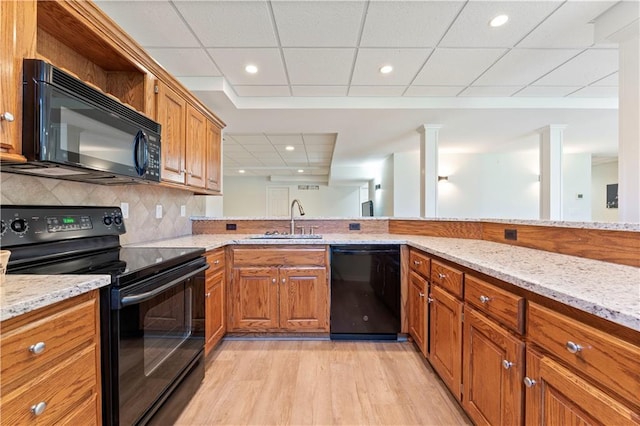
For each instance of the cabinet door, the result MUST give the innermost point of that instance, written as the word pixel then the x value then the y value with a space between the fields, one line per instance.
pixel 254 299
pixel 493 372
pixel 18 40
pixel 445 348
pixel 171 110
pixel 215 315
pixel 558 396
pixel 418 310
pixel 195 148
pixel 214 149
pixel 304 299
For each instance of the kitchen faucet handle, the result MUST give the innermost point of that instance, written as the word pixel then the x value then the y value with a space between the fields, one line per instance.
pixel 301 228
pixel 312 229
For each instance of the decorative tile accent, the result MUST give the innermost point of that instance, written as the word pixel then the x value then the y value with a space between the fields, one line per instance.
pixel 142 224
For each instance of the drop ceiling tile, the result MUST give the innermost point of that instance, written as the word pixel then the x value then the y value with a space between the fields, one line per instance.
pixel 152 30
pixel 272 162
pixel 523 66
pixel 320 149
pixel 406 64
pixel 318 23
pixel 456 67
pixel 376 90
pixel 249 139
pixel 240 155
pixel 546 91
pixel 569 26
pixel 250 162
pixel 185 61
pixel 471 28
pixel 584 69
pixel 262 90
pixel 407 23
pixel 232 148
pixel 284 140
pixel 611 80
pixel 233 61
pixel 230 23
pixel 228 161
pixel 259 149
pixel 319 90
pixel 490 91
pixel 319 66
pixel 416 90
pixel 270 156
pixel 319 139
pixel 596 92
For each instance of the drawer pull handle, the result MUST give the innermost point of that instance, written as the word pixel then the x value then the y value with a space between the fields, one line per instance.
pixel 441 275
pixel 574 348
pixel 6 116
pixel 39 408
pixel 416 262
pixel 529 382
pixel 208 295
pixel 38 348
pixel 507 364
pixel 484 299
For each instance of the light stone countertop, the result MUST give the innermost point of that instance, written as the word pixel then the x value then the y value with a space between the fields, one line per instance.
pixel 20 294
pixel 607 290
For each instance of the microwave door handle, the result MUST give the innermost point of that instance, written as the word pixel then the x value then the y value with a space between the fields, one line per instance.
pixel 140 138
pixel 142 297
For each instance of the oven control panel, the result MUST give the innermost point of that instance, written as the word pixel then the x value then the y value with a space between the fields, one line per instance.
pixel 34 224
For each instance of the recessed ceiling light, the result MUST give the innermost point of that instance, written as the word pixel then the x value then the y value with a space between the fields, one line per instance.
pixel 289 148
pixel 386 69
pixel 300 171
pixel 241 171
pixel 251 69
pixel 499 21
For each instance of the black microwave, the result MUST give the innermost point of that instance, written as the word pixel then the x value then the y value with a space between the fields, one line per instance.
pixel 76 132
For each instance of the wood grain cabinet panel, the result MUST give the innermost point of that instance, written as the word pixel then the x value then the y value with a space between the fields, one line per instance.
pixel 195 148
pixel 503 306
pixel 418 311
pixel 447 277
pixel 556 395
pixel 419 263
pixel 215 297
pixel 254 299
pixel 445 338
pixel 303 298
pixel 171 110
pixel 493 372
pixel 214 157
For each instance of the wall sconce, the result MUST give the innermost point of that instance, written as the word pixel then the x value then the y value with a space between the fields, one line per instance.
pixel 377 186
pixel 443 178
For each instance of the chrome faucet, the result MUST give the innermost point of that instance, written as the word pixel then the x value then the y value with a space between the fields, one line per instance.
pixel 300 209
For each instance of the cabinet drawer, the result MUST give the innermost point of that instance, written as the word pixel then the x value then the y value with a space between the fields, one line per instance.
pixel 63 389
pixel 61 333
pixel 599 356
pixel 505 307
pixel 215 259
pixel 279 256
pixel 447 277
pixel 419 263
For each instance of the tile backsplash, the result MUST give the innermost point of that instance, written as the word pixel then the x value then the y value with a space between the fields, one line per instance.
pixel 141 225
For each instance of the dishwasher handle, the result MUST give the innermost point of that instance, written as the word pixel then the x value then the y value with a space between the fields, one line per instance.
pixel 363 251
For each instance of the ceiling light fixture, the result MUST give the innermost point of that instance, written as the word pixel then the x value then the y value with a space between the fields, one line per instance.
pixel 289 148
pixel 498 21
pixel 386 69
pixel 241 171
pixel 300 171
pixel 251 69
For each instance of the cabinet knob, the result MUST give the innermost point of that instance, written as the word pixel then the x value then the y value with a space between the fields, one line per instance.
pixel 529 382
pixel 208 295
pixel 37 348
pixel 573 347
pixel 506 364
pixel 421 294
pixel 441 275
pixel 284 280
pixel 484 299
pixel 216 262
pixel 39 408
pixel 416 262
pixel 273 280
pixel 7 116
pixel 429 299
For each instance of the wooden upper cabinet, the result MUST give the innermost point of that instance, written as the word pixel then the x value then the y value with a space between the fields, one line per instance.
pixel 195 148
pixel 171 113
pixel 17 41
pixel 214 157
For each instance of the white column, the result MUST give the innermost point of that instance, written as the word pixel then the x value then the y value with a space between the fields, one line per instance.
pixel 429 169
pixel 551 172
pixel 621 24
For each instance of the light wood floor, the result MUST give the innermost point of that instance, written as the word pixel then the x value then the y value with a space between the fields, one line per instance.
pixel 320 383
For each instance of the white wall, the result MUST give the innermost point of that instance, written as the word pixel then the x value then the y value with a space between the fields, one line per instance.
pixel 576 179
pixel 213 206
pixel 383 201
pixel 406 179
pixel 247 196
pixel 601 176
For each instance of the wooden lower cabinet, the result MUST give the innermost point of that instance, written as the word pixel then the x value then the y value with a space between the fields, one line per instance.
pixel 556 395
pixel 215 313
pixel 418 311
pixel 493 372
pixel 272 299
pixel 445 338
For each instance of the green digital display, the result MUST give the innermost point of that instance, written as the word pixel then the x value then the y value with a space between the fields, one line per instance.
pixel 67 220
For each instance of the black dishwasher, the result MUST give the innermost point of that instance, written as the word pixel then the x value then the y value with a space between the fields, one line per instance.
pixel 365 292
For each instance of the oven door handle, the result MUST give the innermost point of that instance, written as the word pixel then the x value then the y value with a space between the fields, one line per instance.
pixel 137 298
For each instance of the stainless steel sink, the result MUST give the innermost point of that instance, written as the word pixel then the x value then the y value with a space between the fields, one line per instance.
pixel 286 237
